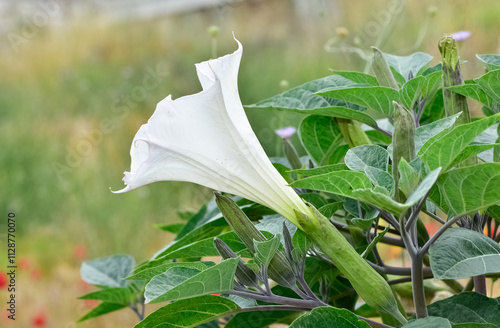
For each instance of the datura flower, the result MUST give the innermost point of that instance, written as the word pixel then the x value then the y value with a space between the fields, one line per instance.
pixel 206 138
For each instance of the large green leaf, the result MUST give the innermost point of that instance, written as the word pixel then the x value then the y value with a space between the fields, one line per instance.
pixel 404 64
pixel 338 182
pixel 204 247
pixel 322 170
pixel 471 188
pixel 441 150
pixel 377 98
pixel 101 309
pixel 358 158
pixel 148 273
pixel 384 201
pixel 187 283
pixel 467 307
pixel 490 83
pixel 357 77
pixel 470 151
pixel 117 295
pixel 321 138
pixel 326 317
pixel 473 91
pixel 425 132
pixel 189 313
pixel 303 99
pixel 462 253
pixel 491 62
pixel 429 322
pixel 257 319
pixel 109 271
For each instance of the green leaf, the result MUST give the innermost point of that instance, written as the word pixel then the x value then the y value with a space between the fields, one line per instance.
pixel 441 150
pixel 471 188
pixel 470 151
pixel 117 295
pixel 189 313
pixel 357 77
pixel 108 271
pixel 326 317
pixel 467 307
pixel 374 242
pixel 358 158
pixel 492 62
pixel 473 91
pixel 322 170
pixel 101 309
pixel 404 64
pixel 425 132
pixel 409 178
pixel 412 91
pixel 338 182
pixel 304 100
pixel 429 322
pixel 321 138
pixel 187 283
pixel 329 209
pixel 490 83
pixel 173 228
pixel 265 250
pixel 381 178
pixel 257 319
pixel 149 273
pixel 494 212
pixel 462 253
pixel 383 201
pixel 301 243
pixel 201 248
pixel 474 325
pixel 432 84
pixel 377 98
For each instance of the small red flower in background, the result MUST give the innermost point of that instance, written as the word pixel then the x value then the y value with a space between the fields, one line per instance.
pixel 432 227
pixel 36 274
pixel 80 252
pixel 24 263
pixel 4 280
pixel 91 303
pixel 39 320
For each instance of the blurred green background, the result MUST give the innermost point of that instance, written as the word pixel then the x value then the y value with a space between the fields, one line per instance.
pixel 73 95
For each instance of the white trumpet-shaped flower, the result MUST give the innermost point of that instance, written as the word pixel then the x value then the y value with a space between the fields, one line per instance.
pixel 206 138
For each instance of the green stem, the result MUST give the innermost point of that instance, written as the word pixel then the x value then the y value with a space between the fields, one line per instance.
pixel 417 281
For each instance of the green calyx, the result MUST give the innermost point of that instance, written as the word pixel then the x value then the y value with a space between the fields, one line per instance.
pixel 448 49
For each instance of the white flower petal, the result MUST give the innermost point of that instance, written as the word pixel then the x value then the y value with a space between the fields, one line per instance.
pixel 206 138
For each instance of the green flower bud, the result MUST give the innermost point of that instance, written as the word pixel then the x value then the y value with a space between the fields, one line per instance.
pixel 432 11
pixel 352 132
pixel 244 274
pixel 279 269
pixel 452 75
pixel 371 286
pixel 291 154
pixel 403 141
pixel 213 31
pixel 382 70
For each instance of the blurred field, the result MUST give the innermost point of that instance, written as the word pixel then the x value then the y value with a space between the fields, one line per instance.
pixel 70 106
